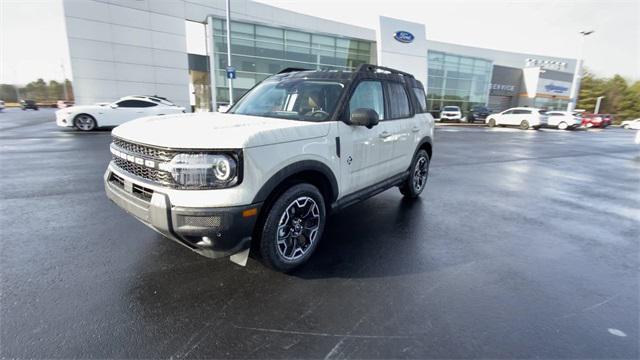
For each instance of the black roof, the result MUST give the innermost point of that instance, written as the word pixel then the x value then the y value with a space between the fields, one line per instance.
pixel 367 71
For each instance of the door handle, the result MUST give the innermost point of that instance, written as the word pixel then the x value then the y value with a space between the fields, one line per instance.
pixel 384 134
pixel 415 129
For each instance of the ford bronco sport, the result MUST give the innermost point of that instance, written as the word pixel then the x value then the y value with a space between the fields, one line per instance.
pixel 298 145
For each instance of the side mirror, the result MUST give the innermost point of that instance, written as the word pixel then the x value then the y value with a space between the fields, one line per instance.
pixel 364 117
pixel 114 106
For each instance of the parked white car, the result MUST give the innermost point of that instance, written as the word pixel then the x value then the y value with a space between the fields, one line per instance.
pixel 451 113
pixel 523 117
pixel 563 120
pixel 631 124
pixel 89 117
pixel 296 147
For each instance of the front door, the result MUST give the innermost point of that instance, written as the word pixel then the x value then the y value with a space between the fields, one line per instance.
pixel 366 153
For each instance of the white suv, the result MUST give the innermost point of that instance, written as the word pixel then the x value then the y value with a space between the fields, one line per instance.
pixel 296 146
pixel 523 117
pixel 451 113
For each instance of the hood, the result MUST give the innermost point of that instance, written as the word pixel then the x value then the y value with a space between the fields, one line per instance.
pixel 217 131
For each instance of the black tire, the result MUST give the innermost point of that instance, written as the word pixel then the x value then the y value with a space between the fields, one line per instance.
pixel 492 123
pixel 85 122
pixel 524 125
pixel 412 186
pixel 271 250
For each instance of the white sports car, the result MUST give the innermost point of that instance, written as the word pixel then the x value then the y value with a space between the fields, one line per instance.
pixel 89 117
pixel 631 124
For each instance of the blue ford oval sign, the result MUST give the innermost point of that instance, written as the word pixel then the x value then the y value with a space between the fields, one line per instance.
pixel 403 36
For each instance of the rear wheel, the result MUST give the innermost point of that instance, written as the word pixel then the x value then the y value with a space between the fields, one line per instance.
pixel 524 125
pixel 293 227
pixel 563 126
pixel 417 179
pixel 85 122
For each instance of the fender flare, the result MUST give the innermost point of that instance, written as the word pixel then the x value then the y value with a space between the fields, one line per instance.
pixel 425 140
pixel 295 168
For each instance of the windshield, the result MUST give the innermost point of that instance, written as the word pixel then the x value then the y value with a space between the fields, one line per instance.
pixel 451 108
pixel 296 99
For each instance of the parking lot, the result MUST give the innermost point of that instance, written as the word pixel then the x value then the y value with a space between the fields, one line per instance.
pixel 525 244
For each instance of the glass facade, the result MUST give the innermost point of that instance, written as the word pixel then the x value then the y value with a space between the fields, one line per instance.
pixel 550 103
pixel 258 51
pixel 457 81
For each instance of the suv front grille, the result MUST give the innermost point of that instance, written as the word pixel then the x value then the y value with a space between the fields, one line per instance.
pixel 145 150
pixel 161 177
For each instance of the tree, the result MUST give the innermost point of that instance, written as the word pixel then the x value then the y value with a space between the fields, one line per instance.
pixel 590 88
pixel 630 103
pixel 614 91
pixel 8 93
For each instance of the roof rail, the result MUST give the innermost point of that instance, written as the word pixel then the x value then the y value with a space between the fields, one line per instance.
pixel 291 69
pixel 373 68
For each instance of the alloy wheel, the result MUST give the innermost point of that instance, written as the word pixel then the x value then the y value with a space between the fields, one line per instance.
pixel 85 122
pixel 298 228
pixel 420 174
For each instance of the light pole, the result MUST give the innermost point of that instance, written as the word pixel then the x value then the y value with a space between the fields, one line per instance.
pixel 598 100
pixel 577 75
pixel 229 51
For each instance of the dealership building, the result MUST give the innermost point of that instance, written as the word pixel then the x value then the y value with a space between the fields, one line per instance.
pixel 177 49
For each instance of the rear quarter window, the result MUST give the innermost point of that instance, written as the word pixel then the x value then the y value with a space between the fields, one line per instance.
pixel 422 99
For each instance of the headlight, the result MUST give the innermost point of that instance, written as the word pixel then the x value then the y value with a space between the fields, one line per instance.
pixel 203 170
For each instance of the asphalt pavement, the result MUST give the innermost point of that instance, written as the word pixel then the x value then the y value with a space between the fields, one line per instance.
pixel 525 244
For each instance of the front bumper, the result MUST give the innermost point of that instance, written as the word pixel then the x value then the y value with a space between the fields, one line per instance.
pixel 212 232
pixel 63 119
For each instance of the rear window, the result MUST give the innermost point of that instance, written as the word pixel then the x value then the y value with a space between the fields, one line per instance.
pixel 398 101
pixel 451 108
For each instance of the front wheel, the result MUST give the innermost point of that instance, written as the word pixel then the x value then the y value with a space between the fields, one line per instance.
pixel 417 179
pixel 85 122
pixel 563 126
pixel 492 123
pixel 293 227
pixel 524 125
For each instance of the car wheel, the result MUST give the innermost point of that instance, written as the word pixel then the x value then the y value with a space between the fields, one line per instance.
pixel 626 126
pixel 417 179
pixel 492 122
pixel 84 122
pixel 563 126
pixel 524 125
pixel 293 227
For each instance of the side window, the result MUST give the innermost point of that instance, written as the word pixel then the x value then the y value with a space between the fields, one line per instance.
pixel 508 112
pixel 398 101
pixel 135 104
pixel 368 95
pixel 422 99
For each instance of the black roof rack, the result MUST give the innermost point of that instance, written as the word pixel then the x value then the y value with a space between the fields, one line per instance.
pixel 292 69
pixel 373 68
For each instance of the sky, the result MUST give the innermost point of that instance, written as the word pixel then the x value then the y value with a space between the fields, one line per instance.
pixel 33 42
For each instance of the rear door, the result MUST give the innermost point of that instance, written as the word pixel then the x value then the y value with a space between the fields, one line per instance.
pixel 402 126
